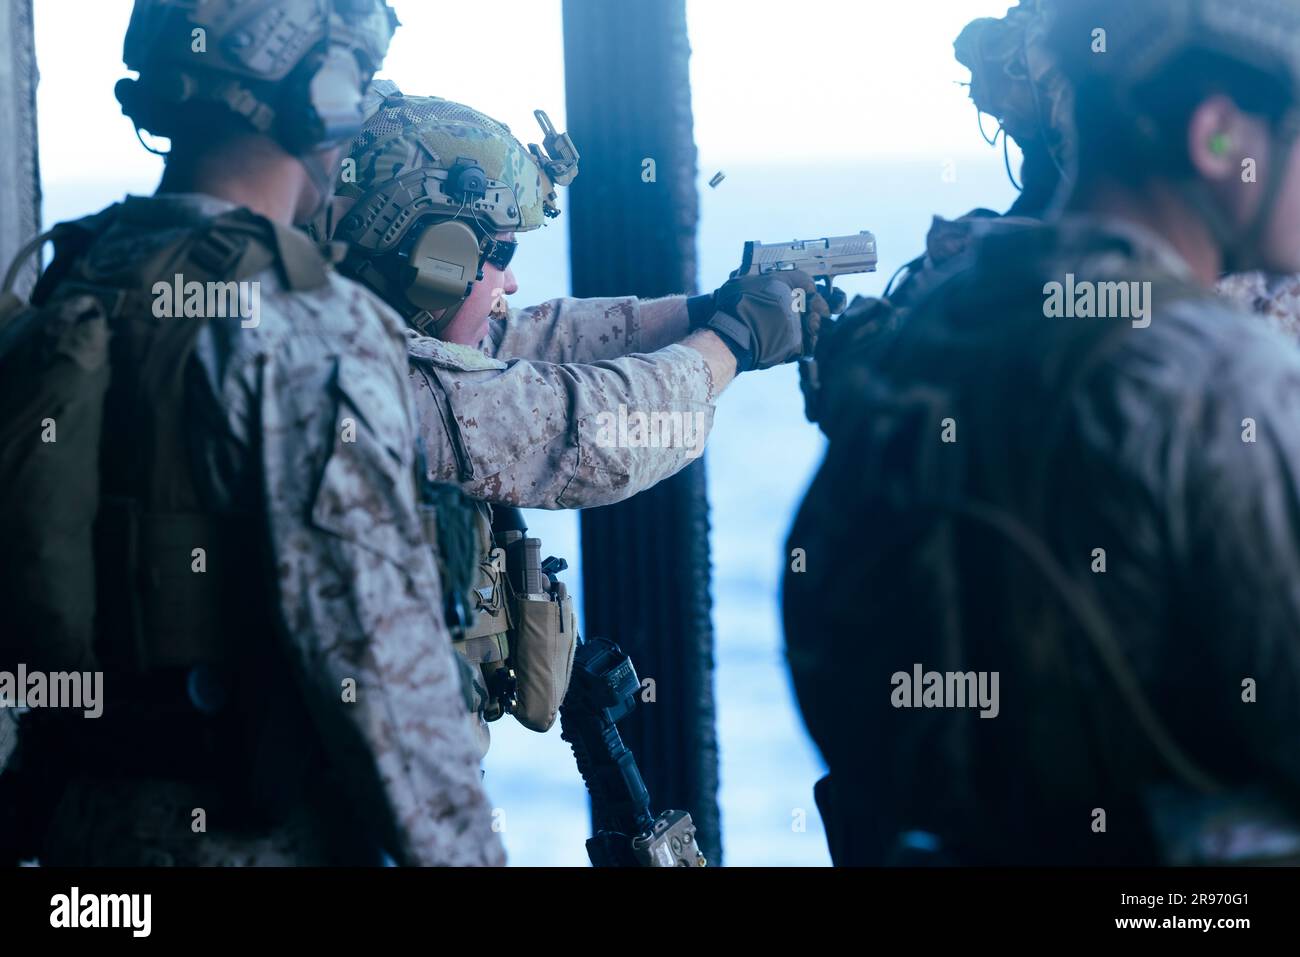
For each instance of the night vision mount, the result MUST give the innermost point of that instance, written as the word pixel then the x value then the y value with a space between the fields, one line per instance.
pixel 559 160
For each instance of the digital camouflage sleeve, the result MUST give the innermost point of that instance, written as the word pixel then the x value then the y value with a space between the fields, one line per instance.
pixel 588 330
pixel 569 404
pixel 1275 298
pixel 357 584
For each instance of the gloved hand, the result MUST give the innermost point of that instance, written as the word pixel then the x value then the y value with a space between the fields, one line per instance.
pixel 757 319
pixel 817 321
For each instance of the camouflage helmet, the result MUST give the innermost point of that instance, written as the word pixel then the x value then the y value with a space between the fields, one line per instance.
pixel 293 69
pixel 431 184
pixel 423 156
pixel 1119 56
pixel 1015 80
pixel 1127 44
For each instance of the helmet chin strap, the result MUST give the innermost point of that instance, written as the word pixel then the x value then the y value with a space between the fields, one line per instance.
pixel 429 326
pixel 322 177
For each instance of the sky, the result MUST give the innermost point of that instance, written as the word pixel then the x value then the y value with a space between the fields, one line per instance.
pixel 772 80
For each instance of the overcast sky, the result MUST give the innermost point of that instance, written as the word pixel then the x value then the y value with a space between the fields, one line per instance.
pixel 771 79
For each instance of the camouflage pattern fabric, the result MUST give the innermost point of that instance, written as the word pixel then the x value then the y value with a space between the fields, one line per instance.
pixel 1274 298
pixel 248 49
pixel 533 419
pixel 536 418
pixel 311 415
pixel 151 823
pixel 412 133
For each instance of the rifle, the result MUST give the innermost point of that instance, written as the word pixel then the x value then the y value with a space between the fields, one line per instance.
pixel 603 690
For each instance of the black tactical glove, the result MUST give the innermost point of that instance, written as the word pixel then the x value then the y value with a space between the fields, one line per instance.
pixel 756 317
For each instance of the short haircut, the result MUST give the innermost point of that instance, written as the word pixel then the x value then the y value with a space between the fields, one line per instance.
pixel 1110 142
pixel 1134 127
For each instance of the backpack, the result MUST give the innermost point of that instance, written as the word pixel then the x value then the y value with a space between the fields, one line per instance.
pixel 900 523
pixel 58 355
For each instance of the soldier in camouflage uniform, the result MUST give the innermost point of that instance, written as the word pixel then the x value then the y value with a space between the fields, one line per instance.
pixel 1097 510
pixel 298 703
pixel 1014 81
pixel 520 407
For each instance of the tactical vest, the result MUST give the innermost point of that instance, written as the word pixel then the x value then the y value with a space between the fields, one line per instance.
pixel 112 557
pixel 515 633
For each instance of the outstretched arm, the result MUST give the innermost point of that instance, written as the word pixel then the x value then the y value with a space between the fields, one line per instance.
pixel 548 435
pixel 588 330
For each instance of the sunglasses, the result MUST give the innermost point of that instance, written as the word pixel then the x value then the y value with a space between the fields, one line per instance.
pixel 499 252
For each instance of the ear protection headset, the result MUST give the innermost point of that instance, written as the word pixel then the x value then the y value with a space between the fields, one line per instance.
pixel 432 268
pixel 322 106
pixel 319 103
pixel 441 265
pixel 324 103
pixel 422 238
pixel 466 181
pixel 442 261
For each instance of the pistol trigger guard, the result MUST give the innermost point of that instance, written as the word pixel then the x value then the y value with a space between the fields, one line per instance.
pixel 835 298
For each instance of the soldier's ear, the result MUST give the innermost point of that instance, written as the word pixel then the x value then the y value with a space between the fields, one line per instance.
pixel 1215 136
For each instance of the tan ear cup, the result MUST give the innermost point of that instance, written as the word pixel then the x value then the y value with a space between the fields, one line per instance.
pixel 443 265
